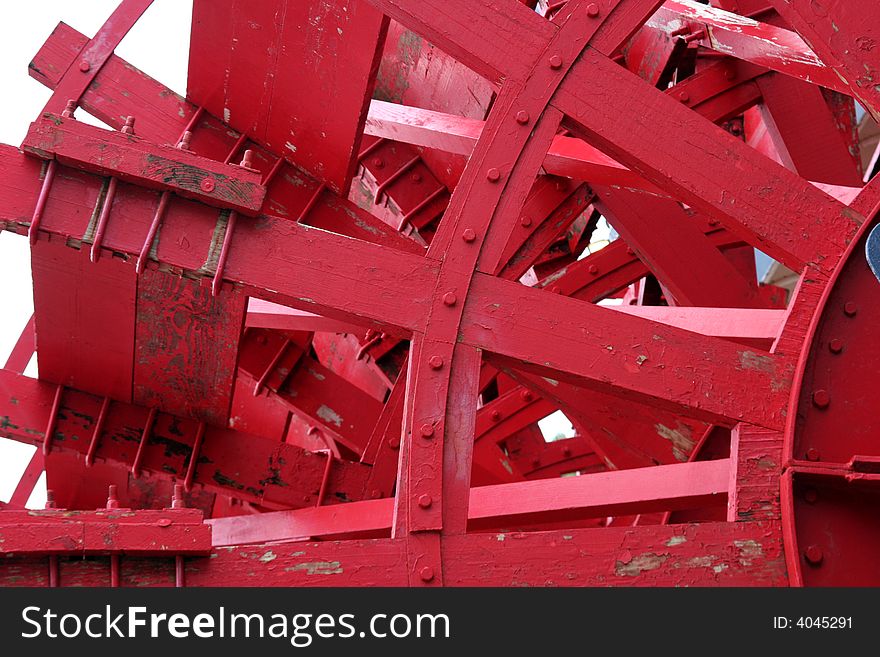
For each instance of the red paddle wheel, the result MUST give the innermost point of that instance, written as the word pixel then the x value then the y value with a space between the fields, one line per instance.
pixel 304 322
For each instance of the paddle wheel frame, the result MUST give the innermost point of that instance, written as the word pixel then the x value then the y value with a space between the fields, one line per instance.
pixel 304 321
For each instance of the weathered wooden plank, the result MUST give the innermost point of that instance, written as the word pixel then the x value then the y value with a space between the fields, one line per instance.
pixel 241 58
pixel 186 345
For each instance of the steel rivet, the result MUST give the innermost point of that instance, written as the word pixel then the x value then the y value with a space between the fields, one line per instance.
pixel 450 299
pixel 850 308
pixel 821 398
pixel 112 500
pixel 378 162
pixel 426 573
pixel 468 235
pixel 522 117
pixel 836 345
pixel 69 109
pixel 436 362
pixel 555 289
pixel 526 222
pixel 493 175
pixel 714 222
pixel 814 555
pixel 812 454
pixel 416 177
pixel 394 443
pixel 555 62
pixel 684 97
pixel 427 430
pixel 376 494
pixel 592 10
pixel 526 395
pixel 495 415
pixel 207 185
pixel 84 66
pixel 128 128
pixel 811 495
pixel 593 269
pixel 425 501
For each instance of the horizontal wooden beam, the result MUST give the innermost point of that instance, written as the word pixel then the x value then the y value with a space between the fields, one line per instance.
pixel 622 492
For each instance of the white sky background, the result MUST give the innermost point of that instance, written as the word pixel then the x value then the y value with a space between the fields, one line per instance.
pixel 158 45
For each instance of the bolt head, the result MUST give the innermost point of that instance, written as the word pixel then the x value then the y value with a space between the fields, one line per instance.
pixel 814 555
pixel 426 573
pixel 207 185
pixel 850 308
pixel 436 362
pixel 493 175
pixel 821 398
pixel 425 501
pixel 592 10
pixel 835 345
pixel 555 62
pixel 812 454
pixel 84 66
pixel 427 430
pixel 522 117
pixel 468 235
pixel 450 299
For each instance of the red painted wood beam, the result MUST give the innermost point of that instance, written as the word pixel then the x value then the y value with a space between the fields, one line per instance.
pixel 704 166
pixel 242 466
pixel 132 532
pixel 23 350
pixel 675 249
pixel 567 156
pixel 515 505
pixel 704 378
pixel 807 134
pixel 731 554
pixel 94 53
pixel 85 311
pixel 309 271
pixel 760 43
pixel 844 36
pixel 332 405
pixel 152 166
pixel 268 315
pixel 748 325
pixel 240 55
pixel 186 345
pixel 18 360
pixel 163 115
pixel 552 207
